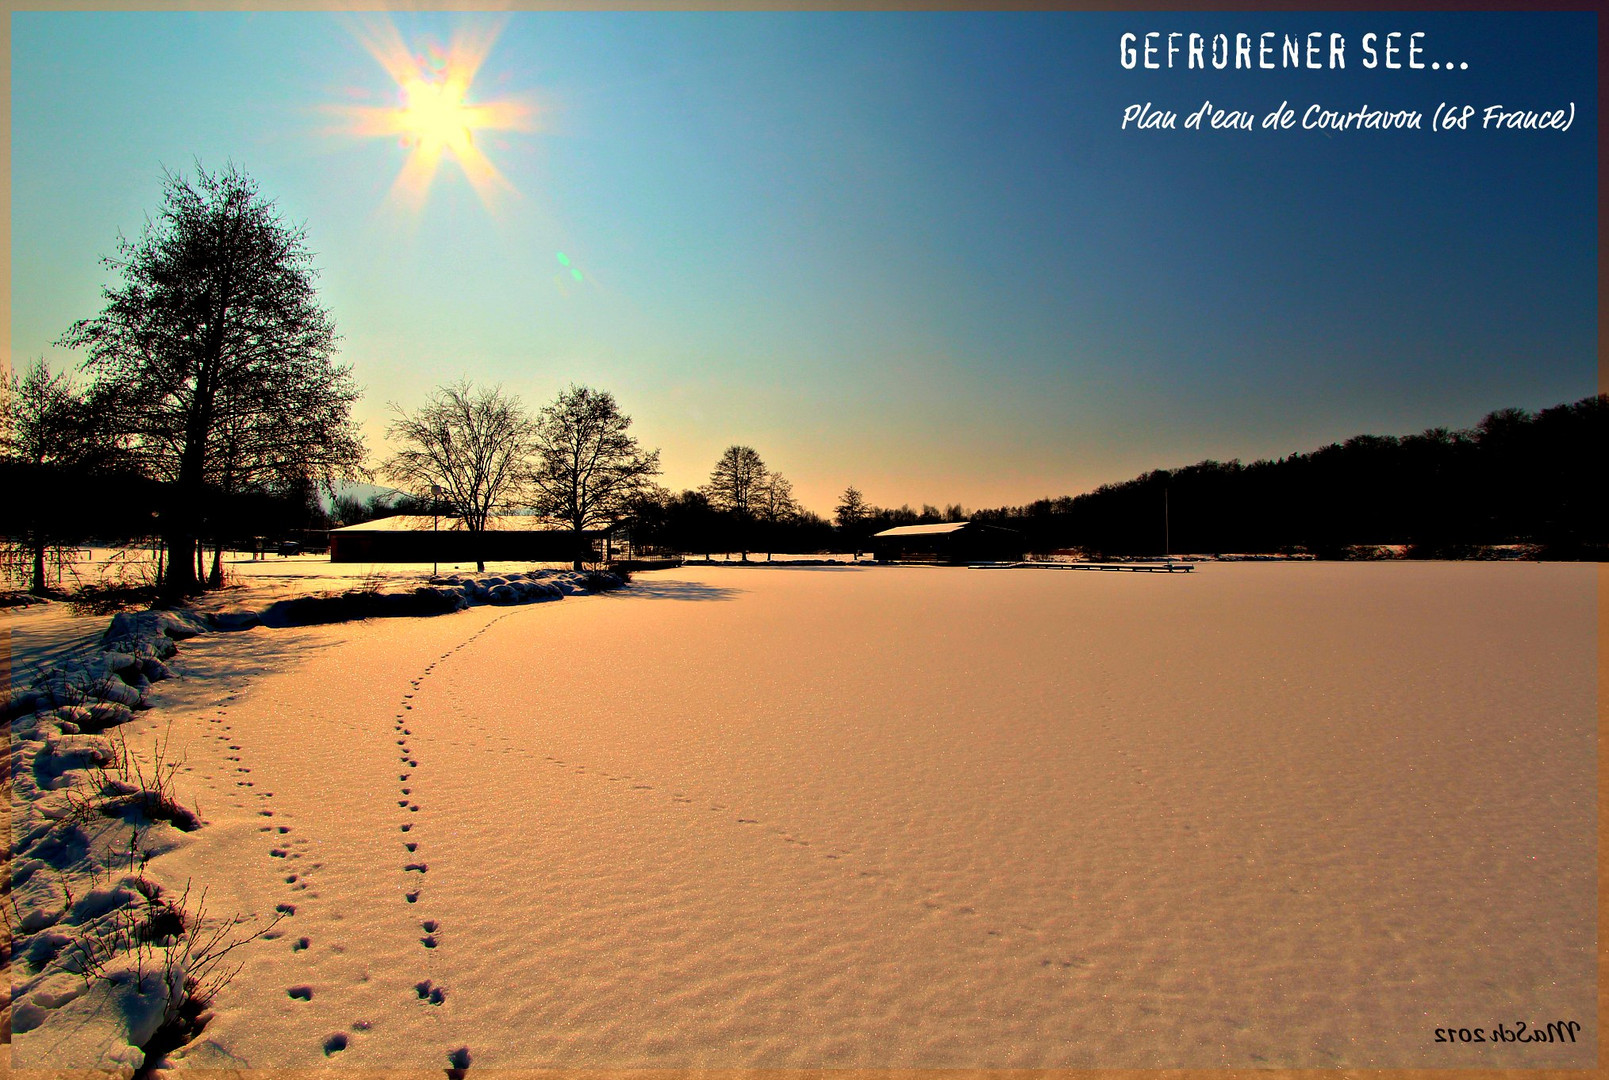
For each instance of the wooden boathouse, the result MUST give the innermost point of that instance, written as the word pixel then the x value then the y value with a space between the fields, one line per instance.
pixel 420 538
pixel 951 542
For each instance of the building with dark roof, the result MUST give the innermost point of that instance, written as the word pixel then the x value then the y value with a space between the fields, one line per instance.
pixel 951 542
pixel 422 538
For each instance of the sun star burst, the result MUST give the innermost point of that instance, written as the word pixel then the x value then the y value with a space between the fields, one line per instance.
pixel 434 116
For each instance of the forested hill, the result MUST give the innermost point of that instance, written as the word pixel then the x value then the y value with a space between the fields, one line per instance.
pixel 1516 477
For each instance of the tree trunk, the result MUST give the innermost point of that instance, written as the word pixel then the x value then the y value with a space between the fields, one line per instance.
pixel 215 577
pixel 181 575
pixel 38 544
pixel 182 515
pixel 581 547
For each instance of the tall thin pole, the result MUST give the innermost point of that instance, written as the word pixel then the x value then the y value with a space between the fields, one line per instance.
pixel 435 526
pixel 1167 540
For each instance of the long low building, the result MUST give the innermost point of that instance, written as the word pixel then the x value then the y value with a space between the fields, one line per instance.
pixel 954 542
pixel 422 538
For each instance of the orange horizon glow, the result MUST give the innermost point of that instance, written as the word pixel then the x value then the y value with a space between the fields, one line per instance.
pixel 435 116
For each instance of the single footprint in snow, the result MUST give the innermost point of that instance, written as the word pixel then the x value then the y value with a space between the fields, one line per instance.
pixel 410 845
pixel 429 941
pixel 299 944
pixel 405 828
pixel 335 1044
pixel 413 897
pixel 288 909
pixel 301 993
pixel 460 1063
pixel 430 926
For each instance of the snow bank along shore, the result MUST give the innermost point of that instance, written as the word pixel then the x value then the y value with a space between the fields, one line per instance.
pixel 110 965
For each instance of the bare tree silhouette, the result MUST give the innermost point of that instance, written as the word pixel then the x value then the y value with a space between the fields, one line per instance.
pixel 220 356
pixel 586 468
pixel 474 444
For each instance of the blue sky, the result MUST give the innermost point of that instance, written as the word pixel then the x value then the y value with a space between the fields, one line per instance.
pixel 911 251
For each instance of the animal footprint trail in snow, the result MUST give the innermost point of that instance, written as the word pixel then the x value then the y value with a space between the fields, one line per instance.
pixel 404 721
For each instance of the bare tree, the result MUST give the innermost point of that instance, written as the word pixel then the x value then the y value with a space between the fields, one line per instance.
pixel 734 488
pixel 473 444
pixel 51 437
pixel 220 356
pixel 776 505
pixel 851 513
pixel 587 468
pixel 42 412
pixel 57 456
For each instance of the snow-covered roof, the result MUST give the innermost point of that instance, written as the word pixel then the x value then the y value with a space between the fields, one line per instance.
pixel 426 523
pixel 924 530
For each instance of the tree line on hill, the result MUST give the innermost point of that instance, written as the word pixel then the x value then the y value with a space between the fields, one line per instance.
pixel 700 521
pixel 1516 478
pixel 214 412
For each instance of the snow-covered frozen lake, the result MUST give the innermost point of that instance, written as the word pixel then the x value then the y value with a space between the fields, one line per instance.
pixel 1296 814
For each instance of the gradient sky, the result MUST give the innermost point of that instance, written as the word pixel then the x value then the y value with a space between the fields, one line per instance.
pixel 910 251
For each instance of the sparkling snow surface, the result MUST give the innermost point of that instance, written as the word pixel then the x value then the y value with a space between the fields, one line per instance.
pixel 1258 815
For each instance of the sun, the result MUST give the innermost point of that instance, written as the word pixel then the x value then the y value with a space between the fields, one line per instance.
pixel 435 116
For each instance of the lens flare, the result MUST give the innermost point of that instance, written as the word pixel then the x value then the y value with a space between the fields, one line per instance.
pixel 435 115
